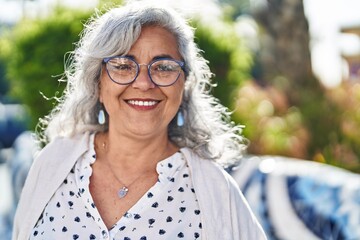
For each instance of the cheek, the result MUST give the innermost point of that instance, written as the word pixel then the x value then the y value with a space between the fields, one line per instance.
pixel 101 92
pixel 177 97
pixel 180 91
pixel 180 97
pixel 105 90
pixel 102 86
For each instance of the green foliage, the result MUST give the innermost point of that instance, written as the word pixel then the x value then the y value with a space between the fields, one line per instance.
pixel 235 8
pixel 32 55
pixel 270 124
pixel 4 84
pixel 229 59
pixel 109 3
pixel 321 118
pixel 343 148
pixel 35 58
pixel 323 127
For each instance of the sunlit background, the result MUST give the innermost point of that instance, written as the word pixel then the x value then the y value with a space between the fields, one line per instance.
pixel 326 21
pixel 288 69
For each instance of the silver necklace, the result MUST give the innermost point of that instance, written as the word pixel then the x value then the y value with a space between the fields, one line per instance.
pixel 123 191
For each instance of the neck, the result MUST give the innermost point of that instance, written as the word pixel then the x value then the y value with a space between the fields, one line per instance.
pixel 128 153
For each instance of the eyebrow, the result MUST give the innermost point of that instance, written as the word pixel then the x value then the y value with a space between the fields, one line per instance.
pixel 154 58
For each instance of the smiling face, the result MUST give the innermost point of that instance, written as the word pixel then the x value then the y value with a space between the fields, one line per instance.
pixel 142 109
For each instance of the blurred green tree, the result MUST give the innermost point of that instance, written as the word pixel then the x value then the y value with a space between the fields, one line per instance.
pixel 235 8
pixel 285 111
pixel 229 59
pixel 343 148
pixel 4 85
pixel 298 119
pixel 286 64
pixel 35 58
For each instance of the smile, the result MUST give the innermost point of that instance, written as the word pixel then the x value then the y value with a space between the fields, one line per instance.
pixel 142 103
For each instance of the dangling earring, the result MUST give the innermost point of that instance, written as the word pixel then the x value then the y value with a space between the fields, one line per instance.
pixel 180 119
pixel 101 117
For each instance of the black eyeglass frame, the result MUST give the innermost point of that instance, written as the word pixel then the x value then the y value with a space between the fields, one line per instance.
pixel 181 64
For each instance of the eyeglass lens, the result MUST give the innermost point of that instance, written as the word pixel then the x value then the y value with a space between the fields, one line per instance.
pixel 123 70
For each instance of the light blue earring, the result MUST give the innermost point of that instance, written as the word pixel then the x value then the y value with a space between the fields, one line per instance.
pixel 180 119
pixel 101 117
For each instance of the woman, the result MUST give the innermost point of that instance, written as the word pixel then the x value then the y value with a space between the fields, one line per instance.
pixel 135 140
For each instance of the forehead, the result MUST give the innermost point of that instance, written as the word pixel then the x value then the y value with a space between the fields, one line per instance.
pixel 155 41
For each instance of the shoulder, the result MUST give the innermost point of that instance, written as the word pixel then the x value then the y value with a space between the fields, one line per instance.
pixel 47 172
pixel 220 196
pixel 210 169
pixel 60 143
pixel 63 146
pixel 60 154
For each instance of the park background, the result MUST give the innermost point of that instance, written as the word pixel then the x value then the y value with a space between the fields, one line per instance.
pixel 288 69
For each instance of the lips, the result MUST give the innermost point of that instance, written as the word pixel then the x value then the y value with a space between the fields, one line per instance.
pixel 142 103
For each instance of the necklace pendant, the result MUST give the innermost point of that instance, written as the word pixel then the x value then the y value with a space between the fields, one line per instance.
pixel 122 192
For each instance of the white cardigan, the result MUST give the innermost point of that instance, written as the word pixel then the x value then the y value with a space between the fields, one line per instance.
pixel 224 211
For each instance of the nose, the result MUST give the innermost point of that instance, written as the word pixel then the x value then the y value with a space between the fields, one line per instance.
pixel 143 81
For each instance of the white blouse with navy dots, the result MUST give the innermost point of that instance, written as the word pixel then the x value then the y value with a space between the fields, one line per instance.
pixel 168 210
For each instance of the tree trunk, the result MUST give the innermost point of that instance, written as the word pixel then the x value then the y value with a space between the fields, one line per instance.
pixel 285 55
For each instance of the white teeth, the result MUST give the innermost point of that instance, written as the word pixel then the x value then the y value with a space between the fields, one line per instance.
pixel 142 103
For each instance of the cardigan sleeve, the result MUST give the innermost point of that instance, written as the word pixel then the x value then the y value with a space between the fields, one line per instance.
pixel 225 211
pixel 46 174
pixel 245 224
pixel 21 219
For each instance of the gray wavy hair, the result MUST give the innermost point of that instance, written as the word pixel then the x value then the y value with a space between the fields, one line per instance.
pixel 207 127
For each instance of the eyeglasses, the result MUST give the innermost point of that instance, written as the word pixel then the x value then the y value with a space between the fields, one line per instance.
pixel 124 70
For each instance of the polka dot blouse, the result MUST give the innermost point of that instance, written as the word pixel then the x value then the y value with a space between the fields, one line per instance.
pixel 168 210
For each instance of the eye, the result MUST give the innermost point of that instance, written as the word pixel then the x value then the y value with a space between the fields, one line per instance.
pixel 165 66
pixel 121 65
